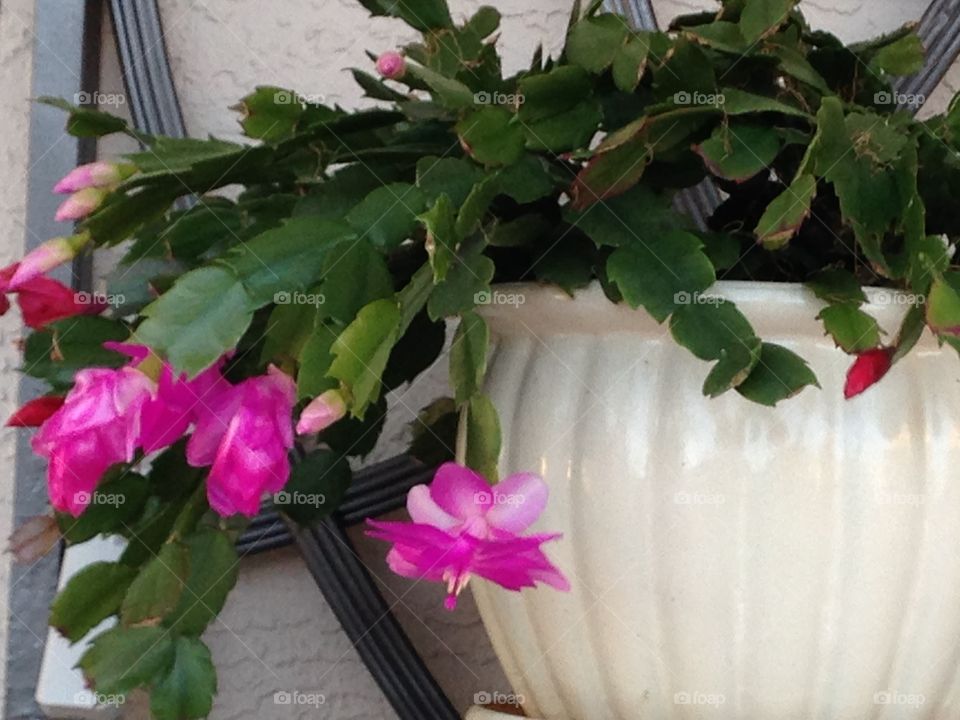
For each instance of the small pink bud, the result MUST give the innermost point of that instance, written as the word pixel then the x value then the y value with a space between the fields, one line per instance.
pixel 96 174
pixel 321 413
pixel 51 254
pixel 391 65
pixel 80 204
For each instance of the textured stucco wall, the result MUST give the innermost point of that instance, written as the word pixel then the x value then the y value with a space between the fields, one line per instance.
pixel 276 633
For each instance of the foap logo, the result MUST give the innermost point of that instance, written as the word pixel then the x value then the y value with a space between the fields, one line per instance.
pixel 893 697
pixel 899 499
pixel 695 498
pixel 696 298
pixel 498 698
pixel 907 100
pixel 299 499
pixel 498 98
pixel 699 98
pixel 695 697
pixel 492 497
pixel 99 498
pixel 286 97
pixel 898 299
pixel 498 297
pixel 99 298
pixel 299 298
pixel 300 699
pixel 89 697
pixel 100 99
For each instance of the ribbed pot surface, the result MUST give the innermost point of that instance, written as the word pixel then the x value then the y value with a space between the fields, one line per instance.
pixel 728 560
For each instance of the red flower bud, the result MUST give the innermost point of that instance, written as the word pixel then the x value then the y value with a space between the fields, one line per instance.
pixel 43 300
pixel 866 370
pixel 35 412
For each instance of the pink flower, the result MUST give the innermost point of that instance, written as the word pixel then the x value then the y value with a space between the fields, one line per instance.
pixel 108 415
pixel 175 403
pixel 98 426
pixel 246 432
pixel 391 65
pixel 867 369
pixel 462 527
pixel 36 412
pixel 213 416
pixel 168 414
pixel 49 255
pixel 80 204
pixel 321 413
pixel 96 175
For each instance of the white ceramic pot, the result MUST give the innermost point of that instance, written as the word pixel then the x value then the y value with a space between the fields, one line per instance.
pixel 728 560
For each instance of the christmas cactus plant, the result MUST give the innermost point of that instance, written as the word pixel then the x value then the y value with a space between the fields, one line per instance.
pixel 247 341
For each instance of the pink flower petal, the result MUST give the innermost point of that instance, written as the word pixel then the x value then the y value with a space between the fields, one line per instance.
pixel 251 456
pixel 399 565
pixel 518 501
pixel 424 510
pixel 461 492
pixel 212 419
pixel 97 427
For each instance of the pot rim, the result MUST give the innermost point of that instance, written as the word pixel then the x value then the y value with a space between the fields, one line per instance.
pixel 775 309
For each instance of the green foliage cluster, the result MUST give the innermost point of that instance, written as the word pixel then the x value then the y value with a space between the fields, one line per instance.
pixel 358 234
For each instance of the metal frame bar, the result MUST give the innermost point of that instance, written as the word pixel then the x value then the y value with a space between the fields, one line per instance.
pixel 367 620
pixel 149 83
pixel 375 490
pixel 939 29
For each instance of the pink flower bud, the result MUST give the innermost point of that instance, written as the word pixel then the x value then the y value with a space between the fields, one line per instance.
pixel 80 204
pixel 96 175
pixel 321 413
pixel 391 65
pixel 46 257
